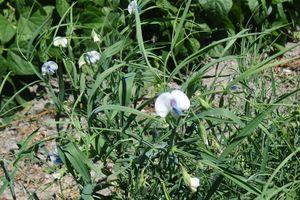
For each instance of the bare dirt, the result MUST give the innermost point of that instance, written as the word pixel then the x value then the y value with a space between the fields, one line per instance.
pixel 36 175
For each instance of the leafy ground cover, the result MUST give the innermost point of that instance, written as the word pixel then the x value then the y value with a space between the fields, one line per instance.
pixel 95 70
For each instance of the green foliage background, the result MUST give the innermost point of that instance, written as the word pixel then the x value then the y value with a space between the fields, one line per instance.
pixel 27 27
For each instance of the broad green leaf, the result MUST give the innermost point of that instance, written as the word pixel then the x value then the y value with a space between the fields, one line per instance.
pixel 258 10
pixel 194 44
pixel 62 7
pixel 18 65
pixel 281 15
pixel 7 30
pixel 38 21
pixel 217 8
pixel 166 5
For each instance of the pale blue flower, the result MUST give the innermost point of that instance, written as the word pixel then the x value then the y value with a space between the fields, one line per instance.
pixel 49 67
pixel 92 57
pixel 175 101
pixel 89 58
pixel 55 158
pixel 233 87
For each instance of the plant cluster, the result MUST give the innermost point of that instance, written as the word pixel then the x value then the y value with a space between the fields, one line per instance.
pixel 117 59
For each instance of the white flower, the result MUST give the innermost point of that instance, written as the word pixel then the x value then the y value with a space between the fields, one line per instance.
pixel 191 182
pixel 49 67
pixel 90 58
pixel 57 175
pixel 175 101
pixel 132 6
pixel 60 42
pixel 95 36
pixel 194 183
pixel 81 61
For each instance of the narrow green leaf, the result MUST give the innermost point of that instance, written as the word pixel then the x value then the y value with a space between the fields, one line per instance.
pixel 252 125
pixel 76 158
pixel 87 192
pixel 140 39
pixel 100 79
pixel 218 112
pixel 124 109
pixel 125 88
pixel 178 29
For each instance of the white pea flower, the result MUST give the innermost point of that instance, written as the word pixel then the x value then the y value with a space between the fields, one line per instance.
pixel 81 61
pixel 175 101
pixel 49 67
pixel 194 182
pixel 95 36
pixel 132 6
pixel 57 175
pixel 60 42
pixel 90 58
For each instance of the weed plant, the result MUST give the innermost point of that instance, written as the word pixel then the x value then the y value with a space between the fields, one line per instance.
pixel 240 137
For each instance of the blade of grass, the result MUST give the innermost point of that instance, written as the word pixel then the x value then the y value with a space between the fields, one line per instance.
pixel 139 36
pixel 217 112
pixel 9 180
pixel 4 81
pixel 124 109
